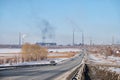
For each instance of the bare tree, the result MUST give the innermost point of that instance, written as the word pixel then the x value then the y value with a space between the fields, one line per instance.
pixel 33 52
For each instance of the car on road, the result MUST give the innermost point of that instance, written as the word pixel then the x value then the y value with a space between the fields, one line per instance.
pixel 53 63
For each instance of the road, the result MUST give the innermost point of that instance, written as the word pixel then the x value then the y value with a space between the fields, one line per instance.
pixel 40 72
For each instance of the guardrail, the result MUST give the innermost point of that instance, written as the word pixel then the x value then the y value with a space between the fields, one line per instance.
pixel 79 72
pixel 68 75
pixel 74 74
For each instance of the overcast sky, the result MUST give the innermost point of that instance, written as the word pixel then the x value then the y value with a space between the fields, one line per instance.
pixel 98 19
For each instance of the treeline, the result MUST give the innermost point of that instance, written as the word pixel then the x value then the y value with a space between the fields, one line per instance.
pixel 105 50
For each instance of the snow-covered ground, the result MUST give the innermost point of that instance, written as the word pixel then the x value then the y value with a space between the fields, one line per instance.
pixel 64 50
pixel 110 60
pixel 97 58
pixel 113 69
pixel 15 52
pixel 56 54
pixel 47 61
pixel 7 52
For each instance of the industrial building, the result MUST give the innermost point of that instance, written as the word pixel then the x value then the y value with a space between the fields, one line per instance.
pixel 47 44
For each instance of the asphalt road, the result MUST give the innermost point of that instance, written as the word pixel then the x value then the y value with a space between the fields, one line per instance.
pixel 40 72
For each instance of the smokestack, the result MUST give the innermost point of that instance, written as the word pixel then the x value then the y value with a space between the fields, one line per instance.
pixel 113 40
pixel 90 41
pixel 82 39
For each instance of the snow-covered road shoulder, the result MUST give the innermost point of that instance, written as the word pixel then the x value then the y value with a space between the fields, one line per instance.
pixel 47 61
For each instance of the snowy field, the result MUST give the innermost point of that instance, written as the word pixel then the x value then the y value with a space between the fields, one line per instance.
pixel 15 52
pixel 64 50
pixel 110 60
pixel 56 54
pixel 97 58
pixel 8 50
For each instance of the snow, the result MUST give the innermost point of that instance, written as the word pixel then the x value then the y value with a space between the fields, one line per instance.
pixel 56 54
pixel 110 60
pixel 9 50
pixel 113 69
pixel 17 50
pixel 97 58
pixel 47 61
pixel 64 50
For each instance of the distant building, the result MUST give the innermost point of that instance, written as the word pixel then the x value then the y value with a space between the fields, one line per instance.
pixel 47 44
pixel 9 46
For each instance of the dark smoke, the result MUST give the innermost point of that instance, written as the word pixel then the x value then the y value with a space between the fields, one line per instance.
pixel 47 30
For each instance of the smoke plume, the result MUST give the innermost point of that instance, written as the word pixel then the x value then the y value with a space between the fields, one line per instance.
pixel 47 30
